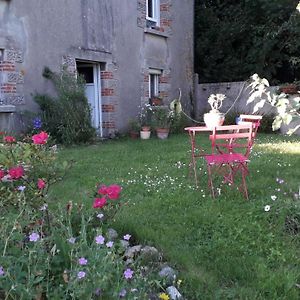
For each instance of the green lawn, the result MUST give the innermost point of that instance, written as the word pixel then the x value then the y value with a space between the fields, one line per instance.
pixel 226 248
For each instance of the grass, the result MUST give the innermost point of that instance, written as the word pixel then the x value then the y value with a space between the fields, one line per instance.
pixel 227 248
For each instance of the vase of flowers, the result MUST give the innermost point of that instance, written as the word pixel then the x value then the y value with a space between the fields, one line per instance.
pixel 214 117
pixel 162 117
pixel 145 121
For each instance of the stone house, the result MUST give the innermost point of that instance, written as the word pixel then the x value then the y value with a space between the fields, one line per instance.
pixel 128 51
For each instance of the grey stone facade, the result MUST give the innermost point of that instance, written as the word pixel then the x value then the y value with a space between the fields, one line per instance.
pixel 115 34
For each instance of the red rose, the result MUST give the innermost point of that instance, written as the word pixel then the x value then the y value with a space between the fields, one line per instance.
pixel 102 190
pixel 2 174
pixel 41 184
pixel 99 202
pixel 16 172
pixel 9 139
pixel 113 191
pixel 40 138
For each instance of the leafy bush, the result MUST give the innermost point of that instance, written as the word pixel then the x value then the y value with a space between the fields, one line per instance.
pixel 67 117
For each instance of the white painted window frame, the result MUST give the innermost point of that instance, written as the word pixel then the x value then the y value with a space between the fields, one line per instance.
pixel 155 11
pixel 156 73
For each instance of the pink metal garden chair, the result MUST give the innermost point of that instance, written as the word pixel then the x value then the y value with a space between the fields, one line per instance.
pixel 235 161
pixel 228 146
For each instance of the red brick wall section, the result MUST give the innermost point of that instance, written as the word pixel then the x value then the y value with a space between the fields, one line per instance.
pixel 108 125
pixel 8 88
pixel 106 75
pixel 107 92
pixel 7 66
pixel 108 107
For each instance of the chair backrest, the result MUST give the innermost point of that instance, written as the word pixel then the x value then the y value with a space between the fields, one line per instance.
pixel 254 119
pixel 236 138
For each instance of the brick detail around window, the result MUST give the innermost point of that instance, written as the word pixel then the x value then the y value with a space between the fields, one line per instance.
pixel 69 63
pixel 164 79
pixel 106 75
pixel 107 92
pixel 8 88
pixel 165 7
pixel 141 19
pixel 108 107
pixel 6 66
pixel 108 125
pixel 166 16
pixel 109 98
pixel 165 23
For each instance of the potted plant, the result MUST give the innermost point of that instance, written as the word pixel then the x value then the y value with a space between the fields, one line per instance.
pixel 214 117
pixel 156 101
pixel 134 128
pixel 290 89
pixel 145 120
pixel 162 118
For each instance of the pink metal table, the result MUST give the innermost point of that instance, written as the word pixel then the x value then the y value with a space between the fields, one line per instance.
pixel 197 151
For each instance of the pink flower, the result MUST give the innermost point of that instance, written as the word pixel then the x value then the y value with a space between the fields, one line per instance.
pixel 113 191
pixel 99 202
pixel 9 139
pixel 16 172
pixel 41 184
pixel 2 174
pixel 40 138
pixel 103 190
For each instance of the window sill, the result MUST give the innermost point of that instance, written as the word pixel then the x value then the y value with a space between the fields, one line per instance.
pixel 156 32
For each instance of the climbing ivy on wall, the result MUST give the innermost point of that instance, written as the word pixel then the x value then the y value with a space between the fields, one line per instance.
pixel 236 38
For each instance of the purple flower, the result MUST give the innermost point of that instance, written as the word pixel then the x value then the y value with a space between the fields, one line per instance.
pixel 82 261
pixel 99 240
pixel 123 293
pixel 98 292
pixel 21 188
pixel 128 273
pixel 71 240
pixel 2 273
pixel 37 123
pixel 127 237
pixel 109 244
pixel 81 274
pixel 34 237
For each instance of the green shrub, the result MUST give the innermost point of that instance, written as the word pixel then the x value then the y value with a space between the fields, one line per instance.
pixel 66 117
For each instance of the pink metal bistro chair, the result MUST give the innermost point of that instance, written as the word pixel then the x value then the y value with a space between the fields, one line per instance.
pixel 229 146
pixel 228 165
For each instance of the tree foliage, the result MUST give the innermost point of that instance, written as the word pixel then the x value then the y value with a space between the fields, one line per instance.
pixel 236 38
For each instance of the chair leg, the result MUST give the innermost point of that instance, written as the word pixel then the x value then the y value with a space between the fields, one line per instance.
pixel 210 181
pixel 244 171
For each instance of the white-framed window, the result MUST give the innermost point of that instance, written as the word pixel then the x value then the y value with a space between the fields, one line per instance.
pixel 154 82
pixel 153 11
pixel 1 54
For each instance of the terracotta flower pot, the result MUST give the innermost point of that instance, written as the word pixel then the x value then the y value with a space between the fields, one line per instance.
pixel 162 133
